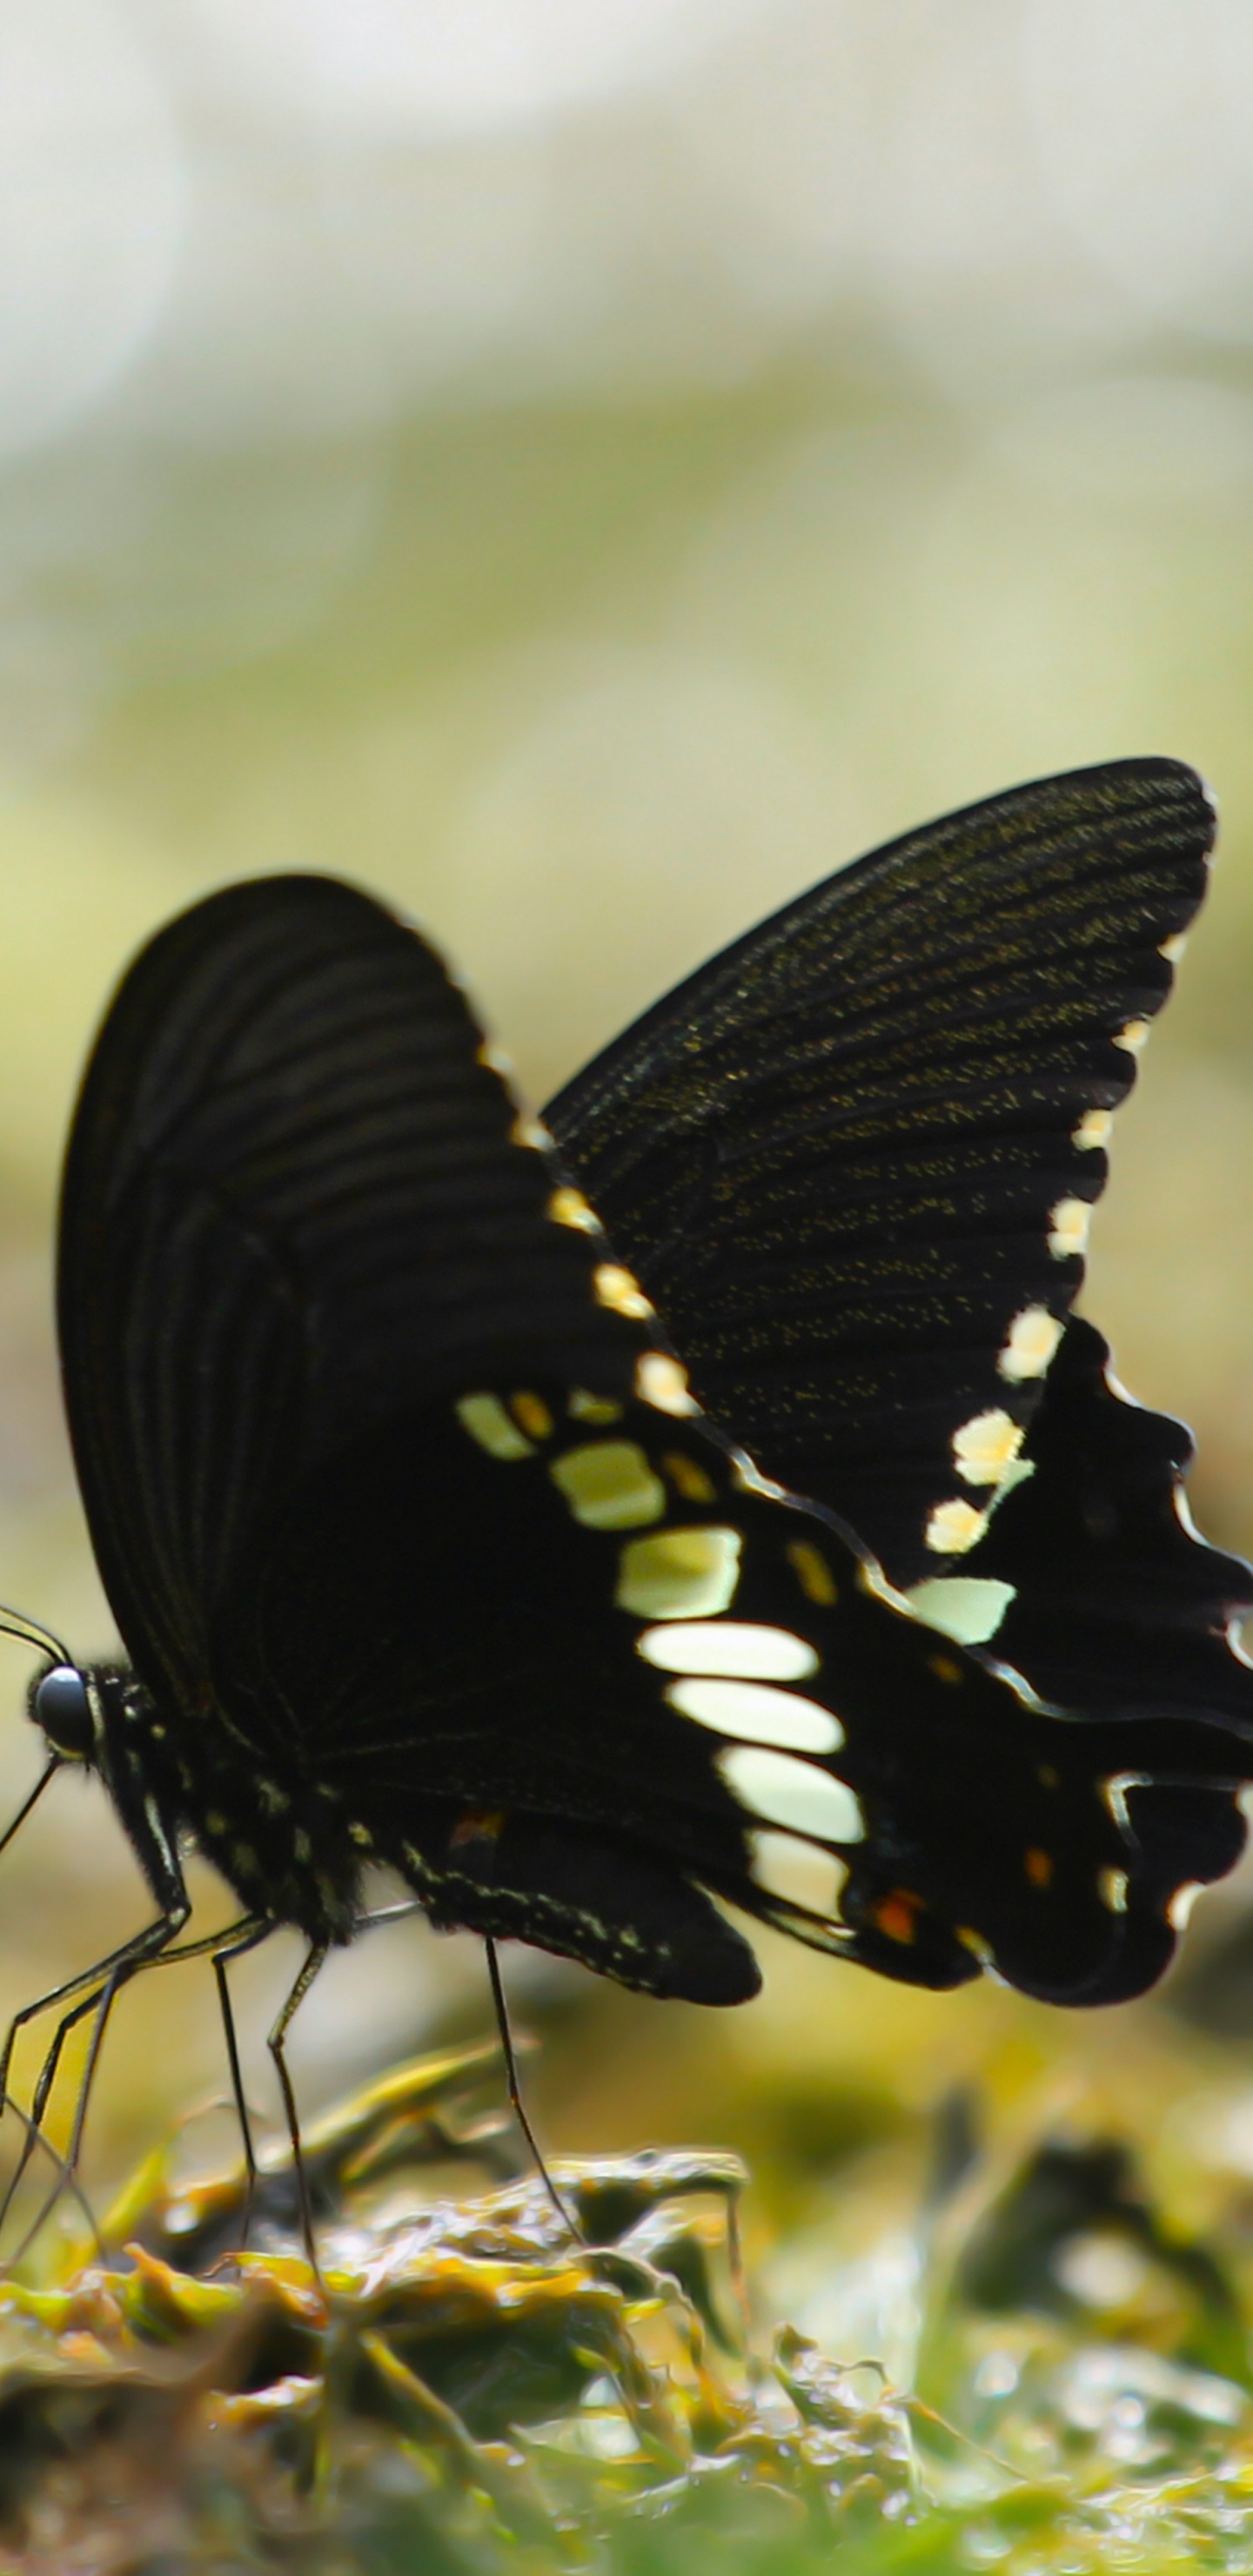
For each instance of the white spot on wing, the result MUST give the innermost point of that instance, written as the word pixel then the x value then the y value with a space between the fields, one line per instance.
pixel 986 1445
pixel 1182 1902
pixel 532 1133
pixel 609 1485
pixel 569 1207
pixel 800 1872
pixel 662 1382
pixel 1030 1343
pixel 754 1710
pixel 1133 1037
pixel 679 1574
pixel 1172 949
pixel 615 1288
pixel 783 1791
pixel 969 1607
pixel 1068 1228
pixel 953 1527
pixel 1094 1128
pixel 734 1647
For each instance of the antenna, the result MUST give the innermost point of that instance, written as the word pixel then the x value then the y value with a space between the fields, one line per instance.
pixel 56 1764
pixel 14 1623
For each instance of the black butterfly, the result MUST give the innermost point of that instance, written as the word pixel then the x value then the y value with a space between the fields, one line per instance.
pixel 423 1552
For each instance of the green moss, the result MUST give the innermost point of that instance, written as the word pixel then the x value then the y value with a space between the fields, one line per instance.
pixel 469 2388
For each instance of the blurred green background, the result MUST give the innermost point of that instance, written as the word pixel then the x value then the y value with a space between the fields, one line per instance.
pixel 586 468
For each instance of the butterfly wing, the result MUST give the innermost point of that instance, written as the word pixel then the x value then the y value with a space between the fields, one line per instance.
pixel 422 1552
pixel 297 1201
pixel 852 1160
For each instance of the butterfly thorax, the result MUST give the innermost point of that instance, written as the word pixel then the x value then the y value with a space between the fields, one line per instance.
pixel 282 1844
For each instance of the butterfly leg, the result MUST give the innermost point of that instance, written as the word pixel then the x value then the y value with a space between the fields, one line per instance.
pixel 515 2091
pixel 101 1983
pixel 246 1939
pixel 314 1961
pixel 243 1935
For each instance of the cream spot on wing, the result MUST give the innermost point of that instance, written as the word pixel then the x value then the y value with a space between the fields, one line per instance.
pixel 953 1527
pixel 569 1207
pixel 1180 1907
pixel 532 1133
pixel 496 1058
pixel 986 1445
pixel 487 1422
pixel 1030 1343
pixel 1111 1887
pixel 609 1485
pixel 662 1382
pixel 362 1834
pixel 812 1572
pixel 583 1406
pixel 623 1295
pixel 969 1607
pixel 786 1792
pixel 1095 1128
pixel 799 1872
pixel 741 1650
pixel 1068 1228
pixel 531 1415
pixel 1133 1036
pixel 1172 949
pixel 679 1574
pixel 754 1710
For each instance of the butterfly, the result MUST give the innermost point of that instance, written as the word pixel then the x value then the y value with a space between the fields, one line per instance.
pixel 701 1507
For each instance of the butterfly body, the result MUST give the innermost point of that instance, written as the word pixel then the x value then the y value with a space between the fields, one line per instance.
pixel 425 1552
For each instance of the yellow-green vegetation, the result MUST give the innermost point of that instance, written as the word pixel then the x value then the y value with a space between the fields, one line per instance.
pixel 471 2387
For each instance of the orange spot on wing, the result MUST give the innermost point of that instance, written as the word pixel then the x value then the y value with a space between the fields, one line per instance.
pixel 688 1478
pixel 945 1669
pixel 1038 1866
pixel 478 1825
pixel 897 1915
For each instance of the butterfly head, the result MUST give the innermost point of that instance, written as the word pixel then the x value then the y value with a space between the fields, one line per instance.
pixel 64 1703
pixel 85 1712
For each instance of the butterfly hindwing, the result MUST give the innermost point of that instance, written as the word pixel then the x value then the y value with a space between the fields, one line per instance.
pixel 1106 1595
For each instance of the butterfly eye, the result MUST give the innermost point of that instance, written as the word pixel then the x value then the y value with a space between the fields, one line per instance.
pixel 62 1708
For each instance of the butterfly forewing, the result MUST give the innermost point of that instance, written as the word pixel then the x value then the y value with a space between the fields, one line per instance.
pixel 852 1159
pixel 296 1203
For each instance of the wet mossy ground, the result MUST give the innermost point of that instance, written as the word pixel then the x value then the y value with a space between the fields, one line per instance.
pixel 468 2388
